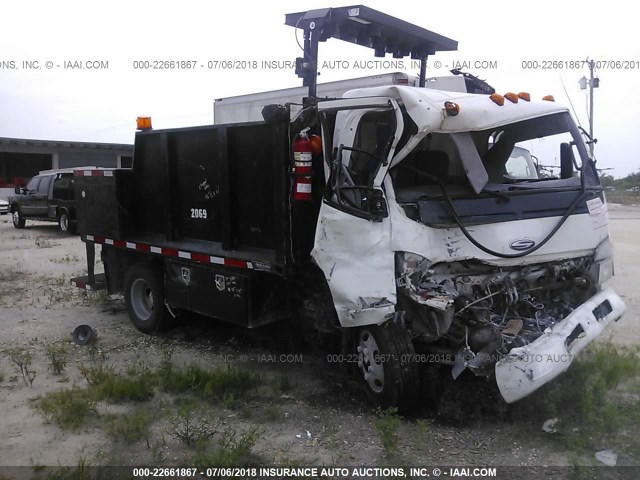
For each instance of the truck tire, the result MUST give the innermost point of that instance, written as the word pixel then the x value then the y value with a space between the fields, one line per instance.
pixel 144 297
pixel 64 221
pixel 386 361
pixel 18 220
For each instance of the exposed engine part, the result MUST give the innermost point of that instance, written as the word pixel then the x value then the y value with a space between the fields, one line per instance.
pixel 480 312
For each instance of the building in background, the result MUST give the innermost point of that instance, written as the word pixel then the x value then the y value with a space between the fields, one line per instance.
pixel 21 159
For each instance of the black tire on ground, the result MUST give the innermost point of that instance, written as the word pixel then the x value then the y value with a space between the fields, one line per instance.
pixel 64 222
pixel 18 219
pixel 387 365
pixel 144 297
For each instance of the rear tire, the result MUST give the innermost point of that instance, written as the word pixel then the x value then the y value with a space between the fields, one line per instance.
pixel 387 365
pixel 18 220
pixel 144 297
pixel 64 222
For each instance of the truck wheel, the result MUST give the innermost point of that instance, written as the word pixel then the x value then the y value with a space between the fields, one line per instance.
pixel 63 222
pixel 18 219
pixel 144 297
pixel 387 364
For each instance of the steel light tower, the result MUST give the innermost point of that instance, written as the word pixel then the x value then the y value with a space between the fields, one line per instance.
pixel 592 82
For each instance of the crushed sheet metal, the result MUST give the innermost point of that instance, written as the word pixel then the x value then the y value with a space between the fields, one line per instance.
pixel 356 258
pixel 424 106
pixel 525 369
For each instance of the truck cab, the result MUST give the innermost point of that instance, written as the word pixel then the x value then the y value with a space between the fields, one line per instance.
pixel 435 224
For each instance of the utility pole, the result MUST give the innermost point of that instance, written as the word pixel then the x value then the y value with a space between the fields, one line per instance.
pixel 593 82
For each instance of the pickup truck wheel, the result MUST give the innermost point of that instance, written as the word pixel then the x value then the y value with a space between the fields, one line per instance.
pixel 387 365
pixel 144 297
pixel 18 219
pixel 64 222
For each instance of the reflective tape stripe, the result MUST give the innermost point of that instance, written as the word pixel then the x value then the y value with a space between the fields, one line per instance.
pixel 171 252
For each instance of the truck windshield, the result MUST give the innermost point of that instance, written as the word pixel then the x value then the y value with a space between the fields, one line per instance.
pixel 524 153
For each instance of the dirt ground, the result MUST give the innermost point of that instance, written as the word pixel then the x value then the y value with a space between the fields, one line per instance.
pixel 318 419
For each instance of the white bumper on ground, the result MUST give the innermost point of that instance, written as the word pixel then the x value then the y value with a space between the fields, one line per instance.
pixel 525 369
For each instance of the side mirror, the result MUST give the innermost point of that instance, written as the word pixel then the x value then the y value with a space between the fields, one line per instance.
pixel 567 160
pixel 18 190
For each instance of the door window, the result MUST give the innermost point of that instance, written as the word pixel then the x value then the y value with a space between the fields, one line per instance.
pixel 43 188
pixel 32 186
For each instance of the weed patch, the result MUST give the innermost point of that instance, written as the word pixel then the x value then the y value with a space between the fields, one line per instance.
pixel 69 408
pixel 131 427
pixel 232 449
pixel 387 423
pixel 191 424
pixel 22 360
pixel 57 355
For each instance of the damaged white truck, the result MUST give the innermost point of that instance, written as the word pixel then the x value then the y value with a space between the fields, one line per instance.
pixel 410 220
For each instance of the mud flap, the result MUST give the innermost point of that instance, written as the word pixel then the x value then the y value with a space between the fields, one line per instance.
pixel 83 282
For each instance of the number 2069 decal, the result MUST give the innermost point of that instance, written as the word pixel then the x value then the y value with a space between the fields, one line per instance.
pixel 199 213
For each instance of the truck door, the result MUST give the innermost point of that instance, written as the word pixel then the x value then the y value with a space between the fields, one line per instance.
pixel 40 199
pixel 28 201
pixel 353 236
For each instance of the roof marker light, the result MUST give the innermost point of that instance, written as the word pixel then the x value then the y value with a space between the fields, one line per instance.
pixel 497 99
pixel 143 123
pixel 549 98
pixel 512 97
pixel 524 96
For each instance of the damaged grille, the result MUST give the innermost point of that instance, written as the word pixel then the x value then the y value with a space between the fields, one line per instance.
pixel 474 313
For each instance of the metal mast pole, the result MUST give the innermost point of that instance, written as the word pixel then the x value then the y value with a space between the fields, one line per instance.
pixel 591 67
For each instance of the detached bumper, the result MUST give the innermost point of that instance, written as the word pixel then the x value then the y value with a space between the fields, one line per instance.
pixel 525 369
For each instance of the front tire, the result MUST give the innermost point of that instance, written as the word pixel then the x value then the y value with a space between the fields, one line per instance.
pixel 18 220
pixel 144 297
pixel 387 365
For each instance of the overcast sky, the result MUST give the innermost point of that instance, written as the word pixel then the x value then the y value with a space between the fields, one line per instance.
pixel 101 105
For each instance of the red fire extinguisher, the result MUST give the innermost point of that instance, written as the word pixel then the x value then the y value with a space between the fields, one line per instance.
pixel 302 166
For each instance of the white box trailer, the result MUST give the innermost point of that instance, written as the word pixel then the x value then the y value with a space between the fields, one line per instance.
pixel 248 108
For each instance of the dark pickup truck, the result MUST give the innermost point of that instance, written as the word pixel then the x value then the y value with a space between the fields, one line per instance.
pixel 48 196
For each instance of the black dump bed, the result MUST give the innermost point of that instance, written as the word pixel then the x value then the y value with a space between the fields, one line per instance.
pixel 217 190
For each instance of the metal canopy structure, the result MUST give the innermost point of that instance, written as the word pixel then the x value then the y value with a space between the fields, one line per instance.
pixel 367 27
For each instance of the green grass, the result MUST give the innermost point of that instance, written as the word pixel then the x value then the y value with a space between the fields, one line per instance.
pixel 386 424
pixel 69 408
pixel 226 386
pixel 82 471
pixel 231 450
pixel 215 384
pixel 131 427
pixel 57 355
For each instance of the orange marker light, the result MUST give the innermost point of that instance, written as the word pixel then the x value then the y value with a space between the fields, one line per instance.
pixel 524 96
pixel 316 144
pixel 143 123
pixel 451 108
pixel 512 97
pixel 549 98
pixel 497 99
